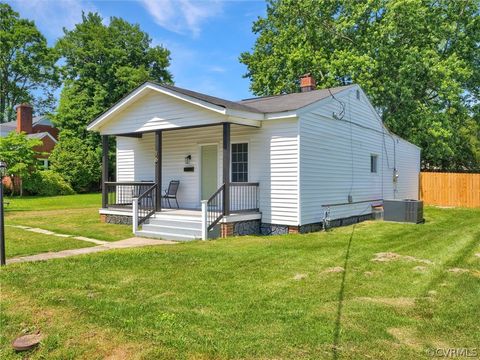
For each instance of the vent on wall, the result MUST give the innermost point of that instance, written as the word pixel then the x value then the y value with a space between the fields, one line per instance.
pixel 403 211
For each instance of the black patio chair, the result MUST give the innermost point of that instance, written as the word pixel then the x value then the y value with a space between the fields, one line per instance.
pixel 171 192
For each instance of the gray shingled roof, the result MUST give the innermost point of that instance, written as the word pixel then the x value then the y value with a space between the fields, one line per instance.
pixel 211 99
pixel 39 135
pixel 10 124
pixel 41 119
pixel 266 104
pixel 290 102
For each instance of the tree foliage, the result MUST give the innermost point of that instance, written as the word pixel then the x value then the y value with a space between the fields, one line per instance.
pixel 27 65
pixel 418 61
pixel 77 162
pixel 18 151
pixel 102 64
pixel 48 183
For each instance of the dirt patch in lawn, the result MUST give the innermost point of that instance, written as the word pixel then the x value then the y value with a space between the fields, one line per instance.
pixel 391 256
pixel 299 277
pixel 456 270
pixel 406 336
pixel 401 302
pixel 420 268
pixel 335 269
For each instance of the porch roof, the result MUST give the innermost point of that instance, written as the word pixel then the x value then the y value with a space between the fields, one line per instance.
pixel 245 112
pixel 222 110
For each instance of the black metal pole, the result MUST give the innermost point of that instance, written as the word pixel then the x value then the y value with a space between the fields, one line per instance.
pixel 104 171
pixel 2 226
pixel 158 169
pixel 226 168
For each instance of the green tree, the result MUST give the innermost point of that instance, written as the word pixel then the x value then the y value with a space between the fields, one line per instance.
pixel 418 61
pixel 102 64
pixel 18 151
pixel 27 65
pixel 76 162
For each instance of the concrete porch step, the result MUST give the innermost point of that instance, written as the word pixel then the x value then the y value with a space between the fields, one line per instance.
pixel 166 235
pixel 187 223
pixel 180 225
pixel 174 229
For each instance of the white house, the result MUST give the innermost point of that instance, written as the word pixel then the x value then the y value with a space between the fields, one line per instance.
pixel 276 164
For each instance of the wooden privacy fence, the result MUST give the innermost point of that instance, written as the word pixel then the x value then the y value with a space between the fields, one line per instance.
pixel 450 189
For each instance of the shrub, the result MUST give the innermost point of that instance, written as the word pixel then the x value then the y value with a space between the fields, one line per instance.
pixel 78 163
pixel 48 183
pixel 18 151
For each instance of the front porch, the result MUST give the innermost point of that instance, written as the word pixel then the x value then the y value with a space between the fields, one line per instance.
pixel 186 224
pixel 207 196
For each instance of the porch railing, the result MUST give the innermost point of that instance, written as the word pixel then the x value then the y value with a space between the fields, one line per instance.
pixel 119 195
pixel 243 198
pixel 144 206
pixel 215 207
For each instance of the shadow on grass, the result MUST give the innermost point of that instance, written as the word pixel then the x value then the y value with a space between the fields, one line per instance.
pixel 338 321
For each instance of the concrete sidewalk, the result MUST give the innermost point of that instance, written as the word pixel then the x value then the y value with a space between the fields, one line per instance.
pixel 122 244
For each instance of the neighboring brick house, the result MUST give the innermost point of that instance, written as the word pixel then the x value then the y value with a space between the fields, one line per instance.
pixel 39 127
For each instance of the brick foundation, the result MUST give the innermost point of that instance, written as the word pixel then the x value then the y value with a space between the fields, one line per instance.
pixel 293 230
pixel 226 229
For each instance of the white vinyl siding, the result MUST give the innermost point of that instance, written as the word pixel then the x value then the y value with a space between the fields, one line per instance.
pixel 154 111
pixel 335 160
pixel 320 158
pixel 273 162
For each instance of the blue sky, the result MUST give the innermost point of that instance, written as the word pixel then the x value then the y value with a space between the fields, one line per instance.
pixel 205 37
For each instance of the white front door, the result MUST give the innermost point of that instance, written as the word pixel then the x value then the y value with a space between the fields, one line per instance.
pixel 208 171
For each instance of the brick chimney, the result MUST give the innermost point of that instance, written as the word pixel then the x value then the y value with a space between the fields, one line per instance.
pixel 24 118
pixel 307 82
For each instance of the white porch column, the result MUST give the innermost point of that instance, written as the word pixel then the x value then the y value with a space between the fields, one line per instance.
pixel 204 220
pixel 134 215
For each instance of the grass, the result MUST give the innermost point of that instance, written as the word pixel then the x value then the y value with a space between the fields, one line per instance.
pixel 22 243
pixel 258 297
pixel 31 203
pixel 72 215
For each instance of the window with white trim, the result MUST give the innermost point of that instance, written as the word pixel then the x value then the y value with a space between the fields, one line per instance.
pixel 240 162
pixel 373 163
pixel 43 163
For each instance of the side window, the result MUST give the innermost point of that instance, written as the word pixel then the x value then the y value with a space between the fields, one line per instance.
pixel 240 162
pixel 373 163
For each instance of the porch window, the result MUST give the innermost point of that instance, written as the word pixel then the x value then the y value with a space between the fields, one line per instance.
pixel 240 162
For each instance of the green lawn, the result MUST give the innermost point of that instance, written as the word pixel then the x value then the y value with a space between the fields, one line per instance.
pixel 20 242
pixel 72 215
pixel 39 203
pixel 275 297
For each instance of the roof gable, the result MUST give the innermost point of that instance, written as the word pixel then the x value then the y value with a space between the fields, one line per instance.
pixel 269 107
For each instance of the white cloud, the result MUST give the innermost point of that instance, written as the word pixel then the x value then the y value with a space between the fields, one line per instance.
pixel 217 69
pixel 51 16
pixel 182 16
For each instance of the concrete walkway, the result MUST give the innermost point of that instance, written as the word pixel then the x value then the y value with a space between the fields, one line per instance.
pixel 122 244
pixel 48 232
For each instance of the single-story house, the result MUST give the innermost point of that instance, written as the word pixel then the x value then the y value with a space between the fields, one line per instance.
pixel 266 165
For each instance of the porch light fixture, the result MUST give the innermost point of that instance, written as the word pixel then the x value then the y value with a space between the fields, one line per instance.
pixel 188 158
pixel 3 172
